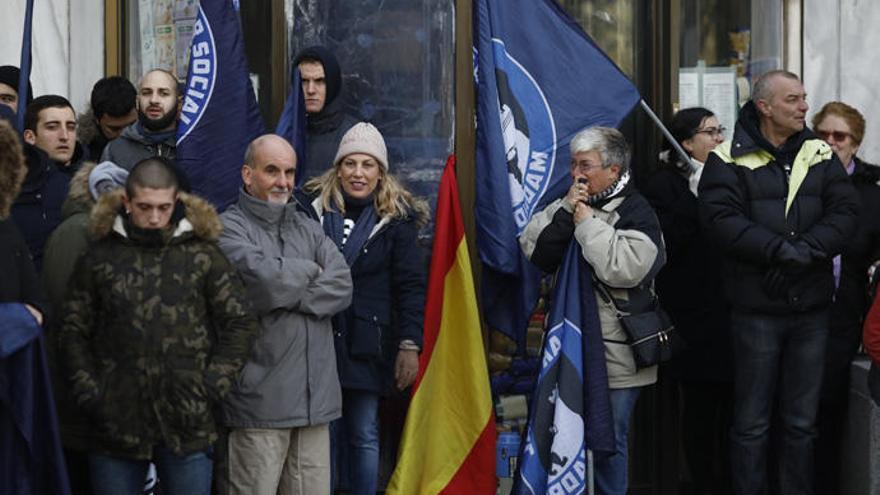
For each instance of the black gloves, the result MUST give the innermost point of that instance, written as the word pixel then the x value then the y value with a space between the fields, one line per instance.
pixel 790 259
pixel 796 256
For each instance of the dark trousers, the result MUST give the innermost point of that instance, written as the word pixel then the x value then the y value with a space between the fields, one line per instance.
pixel 707 409
pixel 843 342
pixel 777 359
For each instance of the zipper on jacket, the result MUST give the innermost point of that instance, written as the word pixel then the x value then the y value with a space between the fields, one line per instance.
pixel 370 240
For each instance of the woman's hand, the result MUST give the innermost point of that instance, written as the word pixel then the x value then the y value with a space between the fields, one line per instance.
pixel 577 193
pixel 582 212
pixel 406 366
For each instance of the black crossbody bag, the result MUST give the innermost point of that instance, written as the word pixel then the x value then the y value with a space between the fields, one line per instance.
pixel 651 334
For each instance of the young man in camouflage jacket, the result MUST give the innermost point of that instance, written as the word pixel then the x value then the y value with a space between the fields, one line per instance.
pixel 155 331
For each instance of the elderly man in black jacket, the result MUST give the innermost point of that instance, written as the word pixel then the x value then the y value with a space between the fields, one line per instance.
pixel 780 206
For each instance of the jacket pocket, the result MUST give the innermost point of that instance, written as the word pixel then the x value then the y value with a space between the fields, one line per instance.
pixel 365 335
pixel 187 399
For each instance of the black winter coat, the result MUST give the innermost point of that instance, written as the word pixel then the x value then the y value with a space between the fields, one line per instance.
pixel 851 300
pixel 750 208
pixel 19 282
pixel 37 209
pixel 323 134
pixel 387 306
pixel 689 285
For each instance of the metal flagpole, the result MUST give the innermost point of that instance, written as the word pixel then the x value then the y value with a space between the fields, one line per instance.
pixel 677 147
pixel 591 485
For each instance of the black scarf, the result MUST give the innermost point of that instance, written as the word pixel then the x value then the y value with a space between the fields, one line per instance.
pixel 360 233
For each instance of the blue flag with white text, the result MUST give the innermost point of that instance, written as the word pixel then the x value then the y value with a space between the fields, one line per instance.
pixel 220 116
pixel 540 80
pixel 292 123
pixel 570 410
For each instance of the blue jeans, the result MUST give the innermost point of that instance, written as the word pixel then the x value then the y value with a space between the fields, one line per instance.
pixel 611 472
pixel 787 351
pixel 357 434
pixel 189 475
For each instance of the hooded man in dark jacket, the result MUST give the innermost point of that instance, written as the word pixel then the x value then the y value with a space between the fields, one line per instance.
pixel 778 203
pixel 325 116
pixel 155 131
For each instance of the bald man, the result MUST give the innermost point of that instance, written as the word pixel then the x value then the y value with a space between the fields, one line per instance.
pixel 296 278
pixel 154 133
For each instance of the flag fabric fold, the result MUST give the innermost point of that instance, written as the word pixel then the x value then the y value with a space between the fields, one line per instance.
pixel 570 410
pixel 220 116
pixel 448 443
pixel 540 79
pixel 292 123
pixel 24 66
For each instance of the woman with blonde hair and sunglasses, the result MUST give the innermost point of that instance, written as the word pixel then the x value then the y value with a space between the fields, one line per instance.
pixel 843 127
pixel 374 221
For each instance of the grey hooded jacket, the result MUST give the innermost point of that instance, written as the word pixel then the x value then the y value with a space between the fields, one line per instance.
pixel 132 146
pixel 297 280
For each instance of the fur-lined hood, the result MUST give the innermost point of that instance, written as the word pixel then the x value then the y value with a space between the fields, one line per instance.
pixel 87 128
pixel 201 218
pixel 79 199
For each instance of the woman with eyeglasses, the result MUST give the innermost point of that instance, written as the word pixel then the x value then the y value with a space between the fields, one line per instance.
pixel 618 236
pixel 690 290
pixel 843 127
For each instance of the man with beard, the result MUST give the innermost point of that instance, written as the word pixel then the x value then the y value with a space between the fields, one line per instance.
pixel 326 121
pixel 155 131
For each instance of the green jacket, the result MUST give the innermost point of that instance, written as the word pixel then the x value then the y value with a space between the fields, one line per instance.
pixel 155 330
pixel 66 244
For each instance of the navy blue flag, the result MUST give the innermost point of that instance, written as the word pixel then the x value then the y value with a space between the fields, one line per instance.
pixel 540 80
pixel 220 116
pixel 292 123
pixel 24 66
pixel 570 410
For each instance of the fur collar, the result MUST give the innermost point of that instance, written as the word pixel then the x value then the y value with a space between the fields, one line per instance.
pixel 78 197
pixel 200 214
pixel 87 128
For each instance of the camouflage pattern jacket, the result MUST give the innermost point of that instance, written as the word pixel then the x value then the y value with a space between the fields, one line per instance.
pixel 155 330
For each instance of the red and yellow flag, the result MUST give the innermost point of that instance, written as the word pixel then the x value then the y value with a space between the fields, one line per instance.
pixel 448 443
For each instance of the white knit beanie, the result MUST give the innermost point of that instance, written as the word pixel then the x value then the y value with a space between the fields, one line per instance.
pixel 363 137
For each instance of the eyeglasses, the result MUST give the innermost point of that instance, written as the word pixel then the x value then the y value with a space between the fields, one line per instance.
pixel 712 131
pixel 584 167
pixel 836 136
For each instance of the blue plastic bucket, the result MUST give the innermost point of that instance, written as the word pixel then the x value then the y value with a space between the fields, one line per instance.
pixel 507 449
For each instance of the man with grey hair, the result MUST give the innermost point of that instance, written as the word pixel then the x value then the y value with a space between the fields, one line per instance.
pixel 280 410
pixel 620 238
pixel 778 203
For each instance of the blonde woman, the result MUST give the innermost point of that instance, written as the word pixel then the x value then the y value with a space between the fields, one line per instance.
pixel 374 221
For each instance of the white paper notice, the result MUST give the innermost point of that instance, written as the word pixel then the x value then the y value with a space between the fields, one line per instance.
pixel 688 89
pixel 719 96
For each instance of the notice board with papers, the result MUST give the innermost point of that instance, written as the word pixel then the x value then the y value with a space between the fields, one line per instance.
pixel 710 87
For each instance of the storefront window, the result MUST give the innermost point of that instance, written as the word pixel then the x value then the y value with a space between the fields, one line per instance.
pixel 397 59
pixel 724 46
pixel 611 24
pixel 159 35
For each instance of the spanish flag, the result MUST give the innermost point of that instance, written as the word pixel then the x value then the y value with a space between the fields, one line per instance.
pixel 448 443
